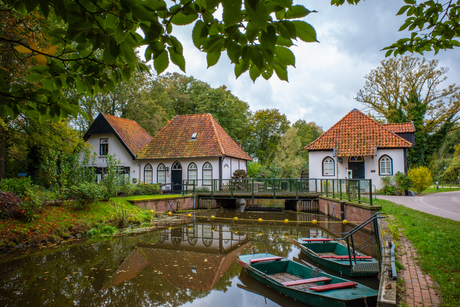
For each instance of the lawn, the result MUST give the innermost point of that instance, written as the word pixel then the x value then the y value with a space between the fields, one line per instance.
pixel 437 242
pixel 432 190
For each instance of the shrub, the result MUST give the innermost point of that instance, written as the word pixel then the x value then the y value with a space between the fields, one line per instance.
pixel 148 189
pixel 11 207
pixel 18 186
pixel 111 177
pixel 86 193
pixel 403 183
pixel 388 186
pixel 421 178
pixel 101 229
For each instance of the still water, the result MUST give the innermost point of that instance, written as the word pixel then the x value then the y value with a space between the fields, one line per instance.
pixel 193 264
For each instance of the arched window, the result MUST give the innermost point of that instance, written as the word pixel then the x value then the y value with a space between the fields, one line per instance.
pixel 148 173
pixel 328 166
pixel 207 173
pixel 192 171
pixel 161 174
pixel 385 166
pixel 176 166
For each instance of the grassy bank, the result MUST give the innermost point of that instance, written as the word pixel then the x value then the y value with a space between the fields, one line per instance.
pixel 432 190
pixel 62 222
pixel 437 242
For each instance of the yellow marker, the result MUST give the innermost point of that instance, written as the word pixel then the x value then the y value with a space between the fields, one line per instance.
pixel 260 233
pixel 212 217
pixel 151 211
pixel 260 220
pixel 213 229
pixel 235 231
pixel 169 213
pixel 235 218
pixel 286 235
pixel 286 221
pixel 315 222
pixel 169 227
pixel 189 215
pixel 344 222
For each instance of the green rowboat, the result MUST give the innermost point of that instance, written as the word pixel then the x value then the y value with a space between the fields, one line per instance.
pixel 304 284
pixel 334 256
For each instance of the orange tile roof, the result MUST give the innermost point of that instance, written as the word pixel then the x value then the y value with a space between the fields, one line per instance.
pixel 132 134
pixel 356 134
pixel 175 140
pixel 401 127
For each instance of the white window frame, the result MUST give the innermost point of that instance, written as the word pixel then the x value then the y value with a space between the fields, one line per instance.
pixel 148 173
pixel 103 143
pixel 385 166
pixel 207 173
pixel 192 172
pixel 328 166
pixel 161 174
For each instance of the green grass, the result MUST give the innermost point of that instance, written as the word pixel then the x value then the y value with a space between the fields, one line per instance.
pixel 153 197
pixel 437 242
pixel 432 190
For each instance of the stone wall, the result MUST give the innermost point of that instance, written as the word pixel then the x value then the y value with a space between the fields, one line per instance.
pixel 354 213
pixel 165 204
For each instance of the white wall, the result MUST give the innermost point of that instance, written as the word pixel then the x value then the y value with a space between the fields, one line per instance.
pixel 230 165
pixel 371 165
pixel 115 148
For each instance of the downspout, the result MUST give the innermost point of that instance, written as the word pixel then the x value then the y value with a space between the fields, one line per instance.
pixel 139 163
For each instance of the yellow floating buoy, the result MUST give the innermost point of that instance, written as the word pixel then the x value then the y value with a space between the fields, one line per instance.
pixel 286 235
pixel 260 220
pixel 189 215
pixel 345 222
pixel 235 231
pixel 314 222
pixel 213 229
pixel 286 221
pixel 169 227
pixel 151 211
pixel 235 218
pixel 260 233
pixel 169 213
pixel 212 217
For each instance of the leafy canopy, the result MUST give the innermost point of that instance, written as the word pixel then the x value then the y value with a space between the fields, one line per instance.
pixel 433 26
pixel 92 44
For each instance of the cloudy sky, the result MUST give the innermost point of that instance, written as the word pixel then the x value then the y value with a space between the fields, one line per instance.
pixel 328 74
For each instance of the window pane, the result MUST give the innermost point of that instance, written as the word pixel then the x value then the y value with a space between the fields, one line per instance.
pixel 207 173
pixel 161 173
pixel 148 174
pixel 328 166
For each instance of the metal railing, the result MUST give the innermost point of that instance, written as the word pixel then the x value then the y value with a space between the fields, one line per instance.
pixel 359 190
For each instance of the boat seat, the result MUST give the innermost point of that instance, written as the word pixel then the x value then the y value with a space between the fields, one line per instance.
pixel 306 281
pixel 317 239
pixel 336 257
pixel 255 260
pixel 341 285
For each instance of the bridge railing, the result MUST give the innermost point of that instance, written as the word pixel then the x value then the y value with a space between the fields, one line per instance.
pixel 359 190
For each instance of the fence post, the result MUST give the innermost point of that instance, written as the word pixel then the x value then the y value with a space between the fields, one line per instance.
pixel 359 192
pixel 252 188
pixel 370 191
pixel 231 187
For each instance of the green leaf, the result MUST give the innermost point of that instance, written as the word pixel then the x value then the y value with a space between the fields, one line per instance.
pixel 234 52
pixel 284 3
pixel 181 19
pixel 177 58
pixel 199 34
pixel 268 38
pixel 232 11
pixel 403 9
pixel 267 74
pixel 44 7
pixel 257 13
pixel 290 27
pixel 252 31
pixel 281 71
pixel 297 11
pixel 304 31
pixel 214 43
pixel 108 57
pixel 161 62
pixel 31 5
pixel 210 4
pixel 285 55
pixel 257 57
pixel 34 77
pixel 80 85
pixel 213 57
pixel 254 73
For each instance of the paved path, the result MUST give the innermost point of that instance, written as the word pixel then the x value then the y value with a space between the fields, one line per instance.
pixel 446 204
pixel 419 286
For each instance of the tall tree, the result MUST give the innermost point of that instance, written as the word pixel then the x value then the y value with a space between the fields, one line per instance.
pixel 406 89
pixel 307 132
pixel 288 156
pixel 266 127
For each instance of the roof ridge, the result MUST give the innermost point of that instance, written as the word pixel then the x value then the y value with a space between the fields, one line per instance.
pixel 119 137
pixel 219 142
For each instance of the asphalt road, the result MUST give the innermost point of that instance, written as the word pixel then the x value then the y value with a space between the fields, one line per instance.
pixel 446 204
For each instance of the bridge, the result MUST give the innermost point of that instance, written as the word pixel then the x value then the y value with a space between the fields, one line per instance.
pixel 357 190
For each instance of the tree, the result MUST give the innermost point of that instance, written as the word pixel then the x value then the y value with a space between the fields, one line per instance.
pixel 93 43
pixel 307 132
pixel 406 89
pixel 421 178
pixel 288 156
pixel 266 127
pixel 433 25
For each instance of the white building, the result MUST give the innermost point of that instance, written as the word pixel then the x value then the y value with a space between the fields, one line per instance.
pixel 189 147
pixel 357 147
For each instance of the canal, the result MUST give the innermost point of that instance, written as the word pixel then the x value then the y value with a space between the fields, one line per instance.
pixel 192 264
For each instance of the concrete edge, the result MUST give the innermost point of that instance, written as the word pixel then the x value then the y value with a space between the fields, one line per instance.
pixel 387 287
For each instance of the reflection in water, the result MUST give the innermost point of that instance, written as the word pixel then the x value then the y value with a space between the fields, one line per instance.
pixel 189 265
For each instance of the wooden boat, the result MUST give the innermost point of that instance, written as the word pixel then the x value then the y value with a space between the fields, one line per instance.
pixel 304 284
pixel 335 257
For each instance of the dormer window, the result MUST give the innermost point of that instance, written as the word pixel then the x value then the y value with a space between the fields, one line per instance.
pixel 103 147
pixel 194 136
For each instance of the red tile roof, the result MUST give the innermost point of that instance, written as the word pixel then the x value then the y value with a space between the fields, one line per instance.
pixel 356 134
pixel 130 132
pixel 175 140
pixel 400 128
